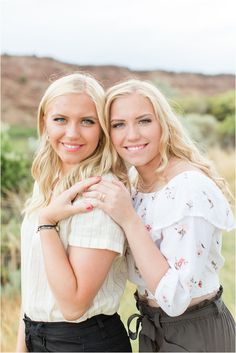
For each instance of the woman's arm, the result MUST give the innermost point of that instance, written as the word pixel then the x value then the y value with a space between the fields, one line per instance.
pixel 117 204
pixel 76 277
pixel 187 245
pixel 76 280
pixel 20 343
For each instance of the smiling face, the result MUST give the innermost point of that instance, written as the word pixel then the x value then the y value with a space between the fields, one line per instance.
pixel 73 128
pixel 135 130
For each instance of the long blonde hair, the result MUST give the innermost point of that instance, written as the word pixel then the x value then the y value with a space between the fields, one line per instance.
pixel 174 140
pixel 46 165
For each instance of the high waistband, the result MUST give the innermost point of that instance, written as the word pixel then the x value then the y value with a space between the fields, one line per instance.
pixel 56 328
pixel 155 317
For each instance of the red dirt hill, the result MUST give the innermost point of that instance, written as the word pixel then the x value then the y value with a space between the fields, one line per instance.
pixel 24 80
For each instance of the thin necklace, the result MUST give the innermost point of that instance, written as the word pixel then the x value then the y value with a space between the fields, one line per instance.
pixel 141 186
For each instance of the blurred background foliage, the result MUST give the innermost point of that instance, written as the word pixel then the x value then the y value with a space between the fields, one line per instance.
pixel 210 122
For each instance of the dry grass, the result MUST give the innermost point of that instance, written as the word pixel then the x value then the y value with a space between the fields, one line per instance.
pixel 9 323
pixel 224 161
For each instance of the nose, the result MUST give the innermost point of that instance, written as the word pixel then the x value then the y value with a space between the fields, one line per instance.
pixel 133 133
pixel 72 131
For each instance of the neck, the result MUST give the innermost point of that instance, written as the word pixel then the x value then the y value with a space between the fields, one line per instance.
pixel 148 178
pixel 149 181
pixel 147 173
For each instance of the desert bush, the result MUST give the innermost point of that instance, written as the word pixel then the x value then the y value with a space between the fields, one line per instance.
pixel 12 205
pixel 15 167
pixel 191 104
pixel 19 131
pixel 201 128
pixel 222 106
pixel 207 131
pixel 226 131
pixel 168 90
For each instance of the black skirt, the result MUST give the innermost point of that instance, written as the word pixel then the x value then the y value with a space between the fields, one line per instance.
pixel 101 333
pixel 205 327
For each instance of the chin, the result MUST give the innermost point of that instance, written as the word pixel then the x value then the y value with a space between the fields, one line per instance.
pixel 136 163
pixel 71 164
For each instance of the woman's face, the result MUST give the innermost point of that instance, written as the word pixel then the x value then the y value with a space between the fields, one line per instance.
pixel 135 130
pixel 73 128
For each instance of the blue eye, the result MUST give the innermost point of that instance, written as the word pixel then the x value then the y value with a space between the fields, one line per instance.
pixel 87 121
pixel 59 120
pixel 145 121
pixel 117 125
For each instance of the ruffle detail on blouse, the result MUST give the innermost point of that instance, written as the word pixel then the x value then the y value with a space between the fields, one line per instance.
pixel 191 194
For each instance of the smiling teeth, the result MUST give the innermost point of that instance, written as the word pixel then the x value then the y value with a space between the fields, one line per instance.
pixel 70 146
pixel 135 148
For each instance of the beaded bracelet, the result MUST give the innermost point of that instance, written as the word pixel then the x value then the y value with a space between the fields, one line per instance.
pixel 48 226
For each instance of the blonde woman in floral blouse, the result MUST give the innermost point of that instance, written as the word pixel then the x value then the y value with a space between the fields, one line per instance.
pixel 173 224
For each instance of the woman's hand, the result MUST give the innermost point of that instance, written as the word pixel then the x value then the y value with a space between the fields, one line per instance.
pixel 62 206
pixel 114 199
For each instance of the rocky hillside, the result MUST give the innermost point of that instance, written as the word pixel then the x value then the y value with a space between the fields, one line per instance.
pixel 24 80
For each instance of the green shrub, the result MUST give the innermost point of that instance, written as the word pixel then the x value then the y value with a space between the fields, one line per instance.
pixel 19 131
pixel 222 106
pixel 207 131
pixel 168 90
pixel 226 131
pixel 10 259
pixel 191 104
pixel 201 128
pixel 10 242
pixel 15 167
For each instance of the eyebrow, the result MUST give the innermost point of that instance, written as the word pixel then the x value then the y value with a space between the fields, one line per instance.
pixel 137 118
pixel 58 114
pixel 82 117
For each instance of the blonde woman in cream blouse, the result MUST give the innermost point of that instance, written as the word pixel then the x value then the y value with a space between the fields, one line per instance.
pixel 73 266
pixel 173 224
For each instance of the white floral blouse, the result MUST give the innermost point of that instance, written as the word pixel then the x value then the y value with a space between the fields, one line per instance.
pixel 185 220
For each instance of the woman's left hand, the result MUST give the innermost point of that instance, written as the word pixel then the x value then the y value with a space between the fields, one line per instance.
pixel 114 199
pixel 62 206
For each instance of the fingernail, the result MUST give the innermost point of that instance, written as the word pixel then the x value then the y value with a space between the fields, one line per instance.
pixel 89 208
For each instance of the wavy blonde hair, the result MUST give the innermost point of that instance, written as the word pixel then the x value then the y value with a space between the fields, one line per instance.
pixel 46 165
pixel 174 139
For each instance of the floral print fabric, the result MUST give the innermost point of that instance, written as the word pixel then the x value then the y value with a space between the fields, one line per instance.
pixel 185 220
